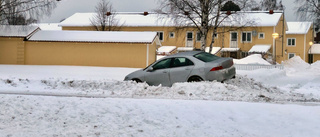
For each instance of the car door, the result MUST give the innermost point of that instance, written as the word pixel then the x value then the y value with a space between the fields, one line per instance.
pixel 180 69
pixel 159 73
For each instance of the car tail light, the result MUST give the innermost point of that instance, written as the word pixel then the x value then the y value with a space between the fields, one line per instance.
pixel 216 68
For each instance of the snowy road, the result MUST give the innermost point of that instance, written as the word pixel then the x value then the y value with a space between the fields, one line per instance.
pixel 31 116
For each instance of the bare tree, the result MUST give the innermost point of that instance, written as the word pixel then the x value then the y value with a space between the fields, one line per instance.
pixel 204 15
pixel 23 12
pixel 309 10
pixel 104 19
pixel 266 5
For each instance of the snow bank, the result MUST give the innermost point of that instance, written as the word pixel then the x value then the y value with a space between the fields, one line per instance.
pixel 239 89
pixel 252 59
pixel 315 67
pixel 297 77
pixel 296 64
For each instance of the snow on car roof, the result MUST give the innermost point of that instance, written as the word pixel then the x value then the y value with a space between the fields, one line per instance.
pixel 17 30
pixel 95 36
pixel 247 18
pixel 298 27
pixel 260 49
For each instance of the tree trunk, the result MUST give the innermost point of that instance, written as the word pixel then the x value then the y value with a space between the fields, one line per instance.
pixel 204 23
pixel 215 25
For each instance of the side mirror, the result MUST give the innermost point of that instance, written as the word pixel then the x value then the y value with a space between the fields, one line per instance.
pixel 150 69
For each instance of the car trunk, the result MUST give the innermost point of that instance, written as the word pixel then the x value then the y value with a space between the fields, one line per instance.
pixel 219 64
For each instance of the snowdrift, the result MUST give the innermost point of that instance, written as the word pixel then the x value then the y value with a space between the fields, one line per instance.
pixel 252 59
pixel 296 64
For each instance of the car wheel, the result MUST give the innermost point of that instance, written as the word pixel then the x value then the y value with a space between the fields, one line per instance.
pixel 195 79
pixel 137 80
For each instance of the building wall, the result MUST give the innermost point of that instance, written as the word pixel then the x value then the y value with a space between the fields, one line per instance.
pixel 302 45
pixel 278 46
pixel 89 54
pixel 179 39
pixel 11 50
pixel 316 57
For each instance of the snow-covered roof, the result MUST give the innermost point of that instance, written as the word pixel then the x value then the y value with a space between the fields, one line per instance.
pixel 260 49
pixel 48 26
pixel 298 27
pixel 315 49
pixel 17 30
pixel 166 49
pixel 214 50
pixel 229 49
pixel 124 18
pixel 247 18
pixel 253 18
pixel 185 49
pixel 94 36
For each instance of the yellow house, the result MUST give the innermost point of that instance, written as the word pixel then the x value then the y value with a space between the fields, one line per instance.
pixel 299 39
pixel 12 43
pixel 236 35
pixel 84 48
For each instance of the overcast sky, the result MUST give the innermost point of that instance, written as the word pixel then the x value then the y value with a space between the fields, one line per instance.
pixel 66 8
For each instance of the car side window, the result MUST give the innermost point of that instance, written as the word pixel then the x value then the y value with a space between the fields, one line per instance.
pixel 162 64
pixel 180 62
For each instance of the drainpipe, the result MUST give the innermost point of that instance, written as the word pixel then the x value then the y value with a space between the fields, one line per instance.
pixel 274 47
pixel 147 62
pixel 282 43
pixel 304 48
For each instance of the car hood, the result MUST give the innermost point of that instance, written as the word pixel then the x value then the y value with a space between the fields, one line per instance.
pixel 136 74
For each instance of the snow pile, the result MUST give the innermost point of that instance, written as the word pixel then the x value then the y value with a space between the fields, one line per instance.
pixel 295 64
pixel 252 59
pixel 297 77
pixel 315 67
pixel 108 82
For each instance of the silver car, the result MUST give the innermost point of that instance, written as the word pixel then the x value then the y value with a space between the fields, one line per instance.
pixel 185 67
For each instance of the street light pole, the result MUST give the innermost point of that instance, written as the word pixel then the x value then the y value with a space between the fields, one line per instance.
pixel 275 36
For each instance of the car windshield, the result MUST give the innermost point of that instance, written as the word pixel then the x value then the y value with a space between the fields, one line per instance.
pixel 206 57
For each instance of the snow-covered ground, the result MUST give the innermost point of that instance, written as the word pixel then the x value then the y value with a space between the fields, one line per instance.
pixel 95 101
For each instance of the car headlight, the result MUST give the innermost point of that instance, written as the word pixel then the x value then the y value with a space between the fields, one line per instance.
pixel 126 78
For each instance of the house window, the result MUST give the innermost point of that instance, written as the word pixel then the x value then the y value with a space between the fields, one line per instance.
pixel 290 55
pixel 171 35
pixel 246 36
pixel 160 35
pixel 198 36
pixel 291 42
pixel 261 35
